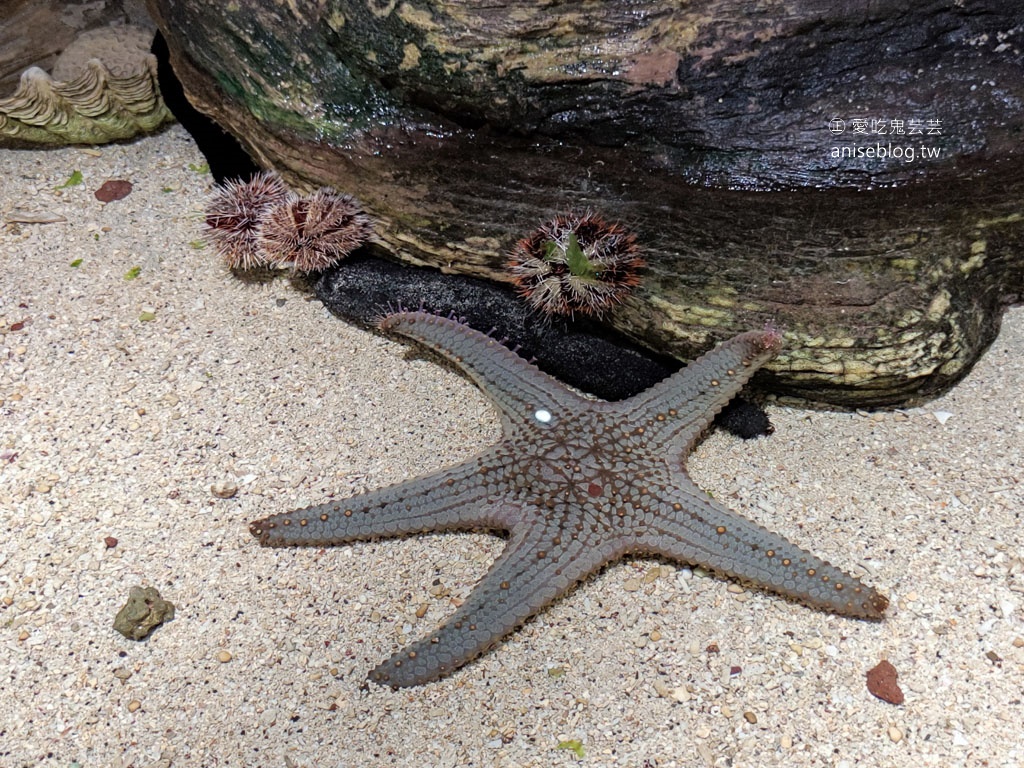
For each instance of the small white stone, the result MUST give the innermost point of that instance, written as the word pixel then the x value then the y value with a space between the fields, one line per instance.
pixel 1006 608
pixel 542 415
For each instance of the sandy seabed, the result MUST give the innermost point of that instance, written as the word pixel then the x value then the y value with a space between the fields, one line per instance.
pixel 123 401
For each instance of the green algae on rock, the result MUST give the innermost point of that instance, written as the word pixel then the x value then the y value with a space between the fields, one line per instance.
pixel 706 128
pixel 145 611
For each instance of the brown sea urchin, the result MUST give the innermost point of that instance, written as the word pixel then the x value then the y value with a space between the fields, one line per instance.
pixel 313 233
pixel 234 215
pixel 576 263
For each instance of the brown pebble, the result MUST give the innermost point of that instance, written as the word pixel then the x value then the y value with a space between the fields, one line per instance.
pixel 421 611
pixel 223 657
pixel 882 683
pixel 750 717
pixel 134 705
pixel 110 541
pixel 713 648
pixel 112 190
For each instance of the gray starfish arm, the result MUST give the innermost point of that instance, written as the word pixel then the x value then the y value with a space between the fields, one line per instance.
pixel 682 406
pixel 698 530
pixel 452 499
pixel 518 388
pixel 532 572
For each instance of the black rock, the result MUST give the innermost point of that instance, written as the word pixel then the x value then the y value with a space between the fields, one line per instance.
pixel 580 353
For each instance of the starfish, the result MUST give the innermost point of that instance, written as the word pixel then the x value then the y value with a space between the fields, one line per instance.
pixel 576 483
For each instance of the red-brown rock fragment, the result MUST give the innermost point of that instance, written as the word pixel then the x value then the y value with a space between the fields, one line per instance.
pixel 882 683
pixel 115 189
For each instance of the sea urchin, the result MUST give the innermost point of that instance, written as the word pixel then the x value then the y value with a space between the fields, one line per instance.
pixel 234 214
pixel 576 263
pixel 313 233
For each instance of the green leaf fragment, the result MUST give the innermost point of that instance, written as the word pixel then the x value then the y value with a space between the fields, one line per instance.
pixel 578 262
pixel 202 168
pixel 197 245
pixel 76 263
pixel 147 316
pixel 574 744
pixel 73 180
pixel 132 273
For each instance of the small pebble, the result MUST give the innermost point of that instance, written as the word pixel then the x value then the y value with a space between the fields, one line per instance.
pixel 134 705
pixel 786 741
pixel 421 611
pixel 110 541
pixel 224 490
pixel 882 683
pixel 750 717
pixel 115 189
pixel 895 734
pixel 223 657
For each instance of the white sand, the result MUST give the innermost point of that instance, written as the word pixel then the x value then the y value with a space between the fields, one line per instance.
pixel 114 426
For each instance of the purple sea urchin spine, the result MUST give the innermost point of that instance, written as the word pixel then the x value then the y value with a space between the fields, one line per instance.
pixel 576 263
pixel 234 213
pixel 313 233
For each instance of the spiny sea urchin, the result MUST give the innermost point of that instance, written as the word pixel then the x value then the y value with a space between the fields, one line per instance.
pixel 576 263
pixel 313 233
pixel 234 214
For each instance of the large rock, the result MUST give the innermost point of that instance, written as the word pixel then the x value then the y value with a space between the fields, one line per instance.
pixel 885 258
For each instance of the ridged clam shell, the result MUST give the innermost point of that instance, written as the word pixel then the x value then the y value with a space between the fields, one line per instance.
pixel 94 108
